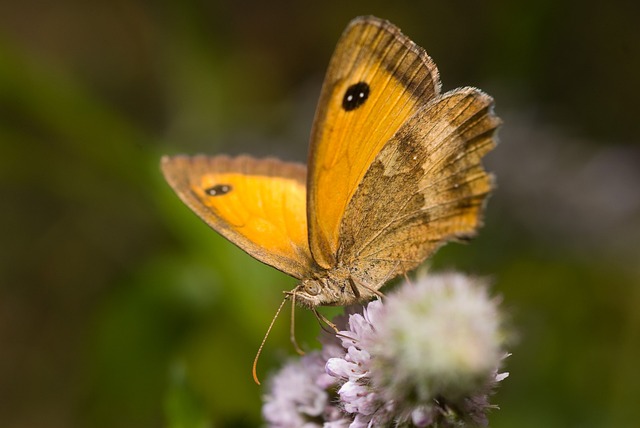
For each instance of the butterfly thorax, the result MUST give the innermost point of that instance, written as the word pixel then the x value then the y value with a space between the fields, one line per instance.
pixel 331 287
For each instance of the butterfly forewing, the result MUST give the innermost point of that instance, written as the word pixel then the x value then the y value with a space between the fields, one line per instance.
pixel 376 80
pixel 258 204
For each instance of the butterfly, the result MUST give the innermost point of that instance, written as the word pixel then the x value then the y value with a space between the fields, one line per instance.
pixel 394 171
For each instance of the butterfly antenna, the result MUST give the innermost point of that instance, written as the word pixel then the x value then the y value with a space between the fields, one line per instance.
pixel 254 371
pixel 292 333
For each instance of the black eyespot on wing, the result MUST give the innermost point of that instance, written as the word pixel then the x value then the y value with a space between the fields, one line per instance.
pixel 355 96
pixel 218 190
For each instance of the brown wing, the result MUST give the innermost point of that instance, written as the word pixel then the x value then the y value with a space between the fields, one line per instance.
pixel 377 79
pixel 258 204
pixel 425 187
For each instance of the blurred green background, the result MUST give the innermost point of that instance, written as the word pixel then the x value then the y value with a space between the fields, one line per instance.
pixel 118 307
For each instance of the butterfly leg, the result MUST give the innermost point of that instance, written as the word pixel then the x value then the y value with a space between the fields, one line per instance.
pixel 406 278
pixel 371 290
pixel 322 319
pixel 354 288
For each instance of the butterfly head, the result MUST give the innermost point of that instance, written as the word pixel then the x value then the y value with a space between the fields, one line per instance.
pixel 310 293
pixel 328 288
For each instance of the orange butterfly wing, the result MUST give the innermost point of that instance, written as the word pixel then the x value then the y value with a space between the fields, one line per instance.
pixel 258 204
pixel 376 63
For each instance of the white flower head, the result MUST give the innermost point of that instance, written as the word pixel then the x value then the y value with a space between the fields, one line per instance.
pixel 440 337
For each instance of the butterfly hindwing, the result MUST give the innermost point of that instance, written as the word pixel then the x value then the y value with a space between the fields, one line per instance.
pixel 376 80
pixel 258 204
pixel 425 187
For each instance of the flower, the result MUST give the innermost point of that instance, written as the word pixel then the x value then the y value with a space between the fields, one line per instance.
pixel 298 395
pixel 441 337
pixel 428 355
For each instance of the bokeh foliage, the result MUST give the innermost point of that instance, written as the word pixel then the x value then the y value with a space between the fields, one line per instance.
pixel 118 307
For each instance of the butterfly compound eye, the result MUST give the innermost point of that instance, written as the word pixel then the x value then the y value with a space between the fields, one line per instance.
pixel 312 287
pixel 218 190
pixel 355 96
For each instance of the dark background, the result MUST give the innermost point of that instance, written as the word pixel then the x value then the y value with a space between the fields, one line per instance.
pixel 118 307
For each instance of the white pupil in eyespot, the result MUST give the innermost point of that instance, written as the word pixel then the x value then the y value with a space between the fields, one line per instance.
pixel 218 190
pixel 350 97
